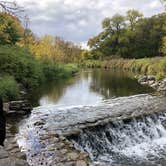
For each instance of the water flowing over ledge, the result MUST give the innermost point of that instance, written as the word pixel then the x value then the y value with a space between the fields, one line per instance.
pixel 79 122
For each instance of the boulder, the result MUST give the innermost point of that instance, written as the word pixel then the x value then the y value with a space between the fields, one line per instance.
pixel 142 79
pixel 151 78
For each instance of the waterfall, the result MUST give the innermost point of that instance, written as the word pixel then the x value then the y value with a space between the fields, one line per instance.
pixel 138 141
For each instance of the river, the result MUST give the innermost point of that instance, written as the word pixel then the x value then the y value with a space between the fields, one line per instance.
pixel 89 88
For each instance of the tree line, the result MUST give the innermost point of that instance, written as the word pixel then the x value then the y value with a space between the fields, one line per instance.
pixel 12 32
pixel 129 36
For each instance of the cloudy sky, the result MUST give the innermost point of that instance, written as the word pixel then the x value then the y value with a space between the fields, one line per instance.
pixel 78 20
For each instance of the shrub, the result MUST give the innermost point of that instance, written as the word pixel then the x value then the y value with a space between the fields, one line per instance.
pixel 19 63
pixel 9 88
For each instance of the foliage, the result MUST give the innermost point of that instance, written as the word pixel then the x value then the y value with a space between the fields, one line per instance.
pixel 8 88
pixel 53 70
pixel 53 48
pixel 11 30
pixel 156 66
pixel 130 36
pixel 21 64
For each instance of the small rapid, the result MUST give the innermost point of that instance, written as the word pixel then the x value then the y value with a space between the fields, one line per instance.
pixel 104 113
pixel 133 142
pixel 125 131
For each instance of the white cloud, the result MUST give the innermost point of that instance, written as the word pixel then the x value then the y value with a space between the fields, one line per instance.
pixel 78 20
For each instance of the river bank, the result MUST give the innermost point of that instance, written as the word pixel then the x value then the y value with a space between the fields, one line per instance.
pixel 150 80
pixel 146 66
pixel 148 71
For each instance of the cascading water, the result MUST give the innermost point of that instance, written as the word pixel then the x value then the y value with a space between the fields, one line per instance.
pixel 135 142
pixel 108 131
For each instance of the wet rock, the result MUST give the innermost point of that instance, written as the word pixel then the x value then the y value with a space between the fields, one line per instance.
pixel 40 123
pixel 142 79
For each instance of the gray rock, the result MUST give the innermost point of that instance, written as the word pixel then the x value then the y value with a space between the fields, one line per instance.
pixel 151 78
pixel 3 153
pixel 155 85
pixel 6 162
pixel 142 79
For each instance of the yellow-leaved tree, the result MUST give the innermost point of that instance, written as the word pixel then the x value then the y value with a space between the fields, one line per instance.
pixel 11 30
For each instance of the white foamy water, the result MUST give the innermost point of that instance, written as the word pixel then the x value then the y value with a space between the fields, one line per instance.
pixel 136 142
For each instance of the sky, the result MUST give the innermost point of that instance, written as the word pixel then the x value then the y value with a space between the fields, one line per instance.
pixel 79 20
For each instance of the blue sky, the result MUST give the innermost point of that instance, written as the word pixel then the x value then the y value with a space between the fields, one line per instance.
pixel 78 20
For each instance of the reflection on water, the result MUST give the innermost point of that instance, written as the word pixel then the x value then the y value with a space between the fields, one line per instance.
pixel 116 84
pixel 88 87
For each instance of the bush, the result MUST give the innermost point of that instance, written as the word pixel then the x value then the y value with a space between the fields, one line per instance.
pixel 19 63
pixel 9 88
pixel 54 71
pixel 27 70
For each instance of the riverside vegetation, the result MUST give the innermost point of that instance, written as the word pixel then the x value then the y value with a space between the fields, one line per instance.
pixel 26 62
pixel 148 66
pixel 131 42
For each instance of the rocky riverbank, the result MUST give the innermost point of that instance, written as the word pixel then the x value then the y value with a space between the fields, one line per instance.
pixel 10 154
pixel 150 80
pixel 8 159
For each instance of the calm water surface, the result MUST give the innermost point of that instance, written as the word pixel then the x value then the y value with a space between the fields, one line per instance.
pixel 88 87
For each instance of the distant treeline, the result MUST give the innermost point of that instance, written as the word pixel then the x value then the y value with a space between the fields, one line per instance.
pixel 129 36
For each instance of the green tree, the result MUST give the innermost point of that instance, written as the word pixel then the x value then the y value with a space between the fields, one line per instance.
pixel 133 17
pixel 135 37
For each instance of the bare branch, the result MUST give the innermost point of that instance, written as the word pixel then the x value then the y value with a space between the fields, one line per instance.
pixel 11 7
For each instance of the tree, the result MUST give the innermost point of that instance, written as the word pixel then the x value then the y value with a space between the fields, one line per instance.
pixel 55 49
pixel 113 24
pixel 133 16
pixel 11 29
pixel 136 37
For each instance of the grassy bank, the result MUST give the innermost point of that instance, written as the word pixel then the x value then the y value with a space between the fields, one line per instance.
pixel 156 66
pixel 18 68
